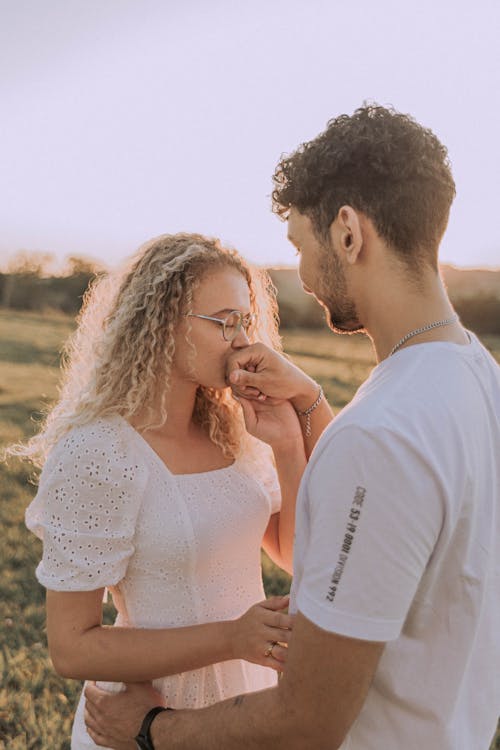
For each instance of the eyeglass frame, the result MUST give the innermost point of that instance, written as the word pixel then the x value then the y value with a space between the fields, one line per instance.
pixel 250 317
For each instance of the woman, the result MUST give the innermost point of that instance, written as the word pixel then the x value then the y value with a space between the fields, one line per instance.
pixel 152 489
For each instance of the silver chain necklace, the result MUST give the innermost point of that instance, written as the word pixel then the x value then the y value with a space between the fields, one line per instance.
pixel 438 323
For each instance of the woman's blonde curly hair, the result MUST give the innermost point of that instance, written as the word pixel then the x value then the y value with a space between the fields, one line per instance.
pixel 119 359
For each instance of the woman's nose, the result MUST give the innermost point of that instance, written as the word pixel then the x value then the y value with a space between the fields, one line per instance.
pixel 240 340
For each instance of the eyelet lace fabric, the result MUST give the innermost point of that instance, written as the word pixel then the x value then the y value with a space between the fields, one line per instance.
pixel 174 550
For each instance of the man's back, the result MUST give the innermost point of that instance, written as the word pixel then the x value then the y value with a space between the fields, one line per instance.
pixel 399 528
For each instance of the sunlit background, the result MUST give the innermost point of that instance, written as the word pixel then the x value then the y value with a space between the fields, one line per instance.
pixel 128 118
pixel 124 119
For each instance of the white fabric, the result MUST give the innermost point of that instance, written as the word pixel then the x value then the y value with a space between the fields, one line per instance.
pixel 398 540
pixel 175 550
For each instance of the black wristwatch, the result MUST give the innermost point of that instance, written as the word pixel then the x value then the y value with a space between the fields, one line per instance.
pixel 143 739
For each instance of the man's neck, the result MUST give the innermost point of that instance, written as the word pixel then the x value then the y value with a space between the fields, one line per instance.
pixel 404 310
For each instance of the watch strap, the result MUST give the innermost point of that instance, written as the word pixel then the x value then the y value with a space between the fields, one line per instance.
pixel 143 738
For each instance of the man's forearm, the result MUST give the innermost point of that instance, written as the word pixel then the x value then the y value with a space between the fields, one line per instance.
pixel 256 721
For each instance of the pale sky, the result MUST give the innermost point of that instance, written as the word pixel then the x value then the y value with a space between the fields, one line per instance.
pixel 124 119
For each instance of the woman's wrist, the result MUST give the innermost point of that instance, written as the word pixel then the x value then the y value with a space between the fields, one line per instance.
pixel 231 638
pixel 289 449
pixel 219 637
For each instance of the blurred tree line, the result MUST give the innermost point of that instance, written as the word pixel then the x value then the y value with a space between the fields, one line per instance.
pixel 480 314
pixel 28 283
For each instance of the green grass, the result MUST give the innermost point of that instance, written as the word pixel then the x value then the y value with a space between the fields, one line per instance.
pixel 36 705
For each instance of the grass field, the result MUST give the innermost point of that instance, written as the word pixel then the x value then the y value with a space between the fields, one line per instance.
pixel 35 704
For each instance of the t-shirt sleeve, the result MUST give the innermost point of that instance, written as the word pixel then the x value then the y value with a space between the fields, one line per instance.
pixel 85 510
pixel 375 512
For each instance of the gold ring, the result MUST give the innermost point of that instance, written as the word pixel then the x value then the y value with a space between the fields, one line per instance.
pixel 269 649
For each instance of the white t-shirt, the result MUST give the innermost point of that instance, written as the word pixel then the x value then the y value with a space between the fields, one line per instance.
pixel 398 540
pixel 174 549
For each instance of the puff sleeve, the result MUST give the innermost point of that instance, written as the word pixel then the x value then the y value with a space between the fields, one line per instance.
pixel 262 466
pixel 86 507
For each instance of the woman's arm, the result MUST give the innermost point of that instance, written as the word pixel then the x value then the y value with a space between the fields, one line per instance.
pixel 82 648
pixel 276 423
pixel 278 539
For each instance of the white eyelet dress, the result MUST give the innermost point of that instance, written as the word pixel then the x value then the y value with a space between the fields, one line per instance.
pixel 174 550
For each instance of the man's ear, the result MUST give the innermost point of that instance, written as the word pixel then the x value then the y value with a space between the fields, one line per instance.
pixel 346 234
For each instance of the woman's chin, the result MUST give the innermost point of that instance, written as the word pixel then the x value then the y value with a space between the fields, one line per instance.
pixel 218 384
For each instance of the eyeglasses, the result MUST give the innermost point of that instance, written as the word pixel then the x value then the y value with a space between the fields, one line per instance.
pixel 232 323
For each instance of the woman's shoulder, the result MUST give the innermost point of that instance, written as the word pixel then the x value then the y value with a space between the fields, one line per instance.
pixel 257 460
pixel 102 431
pixel 100 444
pixel 256 457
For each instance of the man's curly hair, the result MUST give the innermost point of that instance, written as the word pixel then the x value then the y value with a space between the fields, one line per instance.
pixel 383 164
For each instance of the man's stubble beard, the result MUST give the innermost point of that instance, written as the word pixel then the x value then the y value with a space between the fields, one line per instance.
pixel 340 310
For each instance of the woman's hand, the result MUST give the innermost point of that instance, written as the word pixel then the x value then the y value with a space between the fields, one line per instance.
pixel 261 626
pixel 274 422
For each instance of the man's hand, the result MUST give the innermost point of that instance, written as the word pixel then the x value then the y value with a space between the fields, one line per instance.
pixel 257 369
pixel 114 719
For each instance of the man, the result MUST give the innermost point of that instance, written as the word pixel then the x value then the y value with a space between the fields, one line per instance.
pixel 396 641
